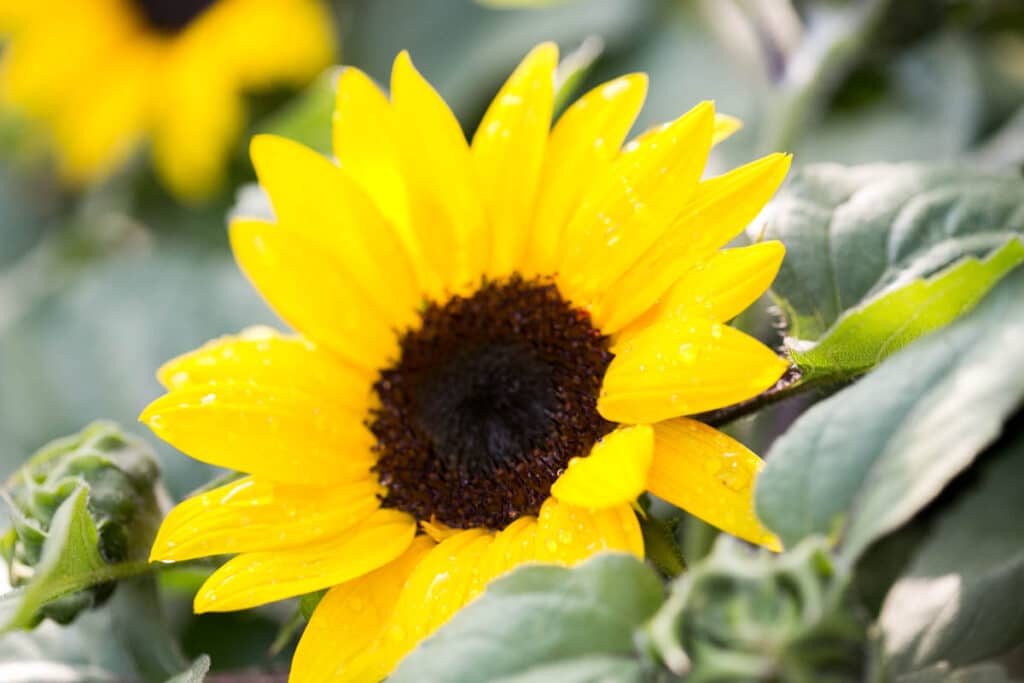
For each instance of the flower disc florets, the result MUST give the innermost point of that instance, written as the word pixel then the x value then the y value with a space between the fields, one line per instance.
pixel 491 397
pixel 171 16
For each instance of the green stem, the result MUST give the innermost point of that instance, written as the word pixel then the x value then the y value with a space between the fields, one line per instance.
pixel 791 384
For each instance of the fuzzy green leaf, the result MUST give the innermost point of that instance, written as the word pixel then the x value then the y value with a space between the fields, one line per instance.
pixel 962 599
pixel 195 673
pixel 868 458
pixel 567 624
pixel 865 335
pixel 879 255
pixel 943 673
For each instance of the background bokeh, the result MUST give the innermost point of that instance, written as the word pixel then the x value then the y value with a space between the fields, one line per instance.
pixel 97 289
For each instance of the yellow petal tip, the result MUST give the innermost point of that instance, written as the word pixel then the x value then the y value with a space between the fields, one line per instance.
pixel 547 51
pixel 147 414
pixel 202 603
pixel 157 554
pixel 403 60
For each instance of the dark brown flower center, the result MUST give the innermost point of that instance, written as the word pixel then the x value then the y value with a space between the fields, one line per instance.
pixel 171 16
pixel 491 397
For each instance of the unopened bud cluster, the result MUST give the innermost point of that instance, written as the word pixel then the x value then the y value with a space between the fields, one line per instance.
pixel 121 475
pixel 749 616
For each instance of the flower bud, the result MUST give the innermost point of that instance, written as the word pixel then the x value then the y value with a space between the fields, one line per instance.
pixel 748 616
pixel 121 476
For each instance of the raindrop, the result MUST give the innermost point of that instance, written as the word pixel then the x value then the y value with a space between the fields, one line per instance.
pixel 688 352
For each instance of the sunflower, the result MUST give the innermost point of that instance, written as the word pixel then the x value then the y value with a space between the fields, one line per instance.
pixel 497 344
pixel 103 75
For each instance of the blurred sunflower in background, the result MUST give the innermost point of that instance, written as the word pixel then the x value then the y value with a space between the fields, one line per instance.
pixel 497 344
pixel 105 75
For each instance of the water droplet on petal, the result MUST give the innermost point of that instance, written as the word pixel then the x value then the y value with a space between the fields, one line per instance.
pixel 688 352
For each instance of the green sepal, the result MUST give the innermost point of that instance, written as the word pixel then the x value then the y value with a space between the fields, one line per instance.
pixel 661 546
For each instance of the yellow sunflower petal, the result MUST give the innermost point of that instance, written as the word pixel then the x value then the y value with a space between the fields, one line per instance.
pixel 567 534
pixel 634 203
pixel 265 42
pixel 445 208
pixel 257 578
pixel 308 290
pixel 437 529
pixel 719 289
pixel 725 126
pixel 582 146
pixel 684 366
pixel 316 199
pixel 275 435
pixel 614 472
pixel 251 515
pixel 508 151
pixel 718 211
pixel 197 103
pixel 338 644
pixel 110 113
pixel 710 475
pixel 263 357
pixel 446 579
pixel 366 145
pixel 512 546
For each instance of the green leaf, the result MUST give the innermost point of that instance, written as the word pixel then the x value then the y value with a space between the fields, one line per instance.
pixel 70 562
pixel 962 599
pixel 565 624
pixel 195 674
pixel 867 459
pixel 127 640
pixel 943 673
pixel 865 335
pixel 879 255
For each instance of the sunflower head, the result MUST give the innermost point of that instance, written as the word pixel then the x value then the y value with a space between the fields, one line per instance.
pixel 109 75
pixel 497 344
